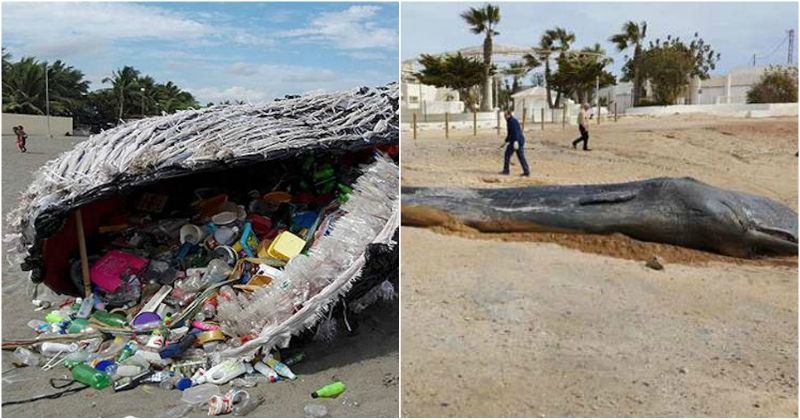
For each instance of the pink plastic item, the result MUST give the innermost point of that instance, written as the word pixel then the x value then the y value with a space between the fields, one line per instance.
pixel 203 326
pixel 107 272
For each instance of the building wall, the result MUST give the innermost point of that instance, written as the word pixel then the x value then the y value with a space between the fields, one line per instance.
pixel 36 125
pixel 726 110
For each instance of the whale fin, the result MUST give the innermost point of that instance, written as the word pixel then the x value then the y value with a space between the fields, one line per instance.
pixel 607 198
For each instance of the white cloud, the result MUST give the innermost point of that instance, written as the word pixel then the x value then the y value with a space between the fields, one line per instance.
pixel 233 93
pixel 353 28
pixel 257 83
pixel 241 69
pixel 367 55
pixel 65 30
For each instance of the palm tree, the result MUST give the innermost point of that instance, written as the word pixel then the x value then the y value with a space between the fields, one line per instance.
pixel 67 88
pixel 556 39
pixel 24 87
pixel 632 35
pixel 124 82
pixel 171 98
pixel 518 69
pixel 483 21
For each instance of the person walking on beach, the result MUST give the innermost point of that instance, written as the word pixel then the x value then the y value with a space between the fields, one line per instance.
pixel 515 141
pixel 583 127
pixel 22 138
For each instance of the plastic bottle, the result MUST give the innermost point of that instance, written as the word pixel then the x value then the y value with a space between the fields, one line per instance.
pixel 331 390
pixel 132 382
pixel 38 325
pixel 267 371
pixel 225 371
pixel 88 375
pixel 25 357
pixel 243 408
pixel 51 349
pixel 86 307
pixel 315 410
pixel 112 320
pixel 199 394
pixel 281 368
pixel 127 351
pixel 293 359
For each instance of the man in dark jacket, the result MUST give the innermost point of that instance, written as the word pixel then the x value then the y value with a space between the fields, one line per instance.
pixel 515 141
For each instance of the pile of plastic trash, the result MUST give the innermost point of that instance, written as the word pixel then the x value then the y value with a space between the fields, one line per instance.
pixel 172 290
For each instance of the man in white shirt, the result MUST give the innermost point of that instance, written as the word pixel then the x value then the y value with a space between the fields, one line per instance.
pixel 583 127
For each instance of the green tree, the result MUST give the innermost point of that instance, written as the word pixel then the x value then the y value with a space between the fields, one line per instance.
pixel 124 83
pixel 578 73
pixel 554 40
pixel 483 21
pixel 24 87
pixel 455 72
pixel 171 98
pixel 777 85
pixel 516 70
pixel 671 64
pixel 632 36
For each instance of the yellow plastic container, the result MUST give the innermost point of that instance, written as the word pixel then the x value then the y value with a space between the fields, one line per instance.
pixel 285 246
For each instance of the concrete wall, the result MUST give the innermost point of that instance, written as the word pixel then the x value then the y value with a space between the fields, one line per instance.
pixel 722 110
pixel 36 125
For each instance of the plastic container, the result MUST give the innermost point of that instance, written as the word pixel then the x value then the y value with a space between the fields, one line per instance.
pixel 267 371
pixel 25 357
pixel 88 375
pixel 199 394
pixel 286 246
pixel 281 368
pixel 244 407
pixel 51 349
pixel 315 410
pixel 38 325
pixel 225 371
pixel 331 390
pixel 112 320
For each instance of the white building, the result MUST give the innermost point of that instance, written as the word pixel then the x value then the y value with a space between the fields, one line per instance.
pixel 534 100
pixel 728 88
pixel 423 99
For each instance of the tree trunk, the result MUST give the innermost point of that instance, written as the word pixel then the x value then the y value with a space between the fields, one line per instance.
pixel 637 80
pixel 486 97
pixel 121 103
pixel 547 82
pixel 558 100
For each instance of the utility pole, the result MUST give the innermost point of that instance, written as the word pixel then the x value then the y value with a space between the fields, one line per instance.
pixel 142 90
pixel 791 47
pixel 597 96
pixel 47 100
pixel 754 59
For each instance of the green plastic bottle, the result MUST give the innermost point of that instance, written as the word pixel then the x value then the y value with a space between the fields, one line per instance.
pixel 88 375
pixel 331 390
pixel 112 320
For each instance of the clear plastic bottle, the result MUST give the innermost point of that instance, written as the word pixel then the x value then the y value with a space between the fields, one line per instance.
pixel 315 410
pixel 25 357
pixel 247 406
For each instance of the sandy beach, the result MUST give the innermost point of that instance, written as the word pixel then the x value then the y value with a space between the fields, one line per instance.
pixel 576 325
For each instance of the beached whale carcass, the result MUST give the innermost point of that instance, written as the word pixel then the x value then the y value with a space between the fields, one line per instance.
pixel 678 211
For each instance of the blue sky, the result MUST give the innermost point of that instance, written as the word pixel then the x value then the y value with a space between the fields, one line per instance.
pixel 217 51
pixel 736 30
